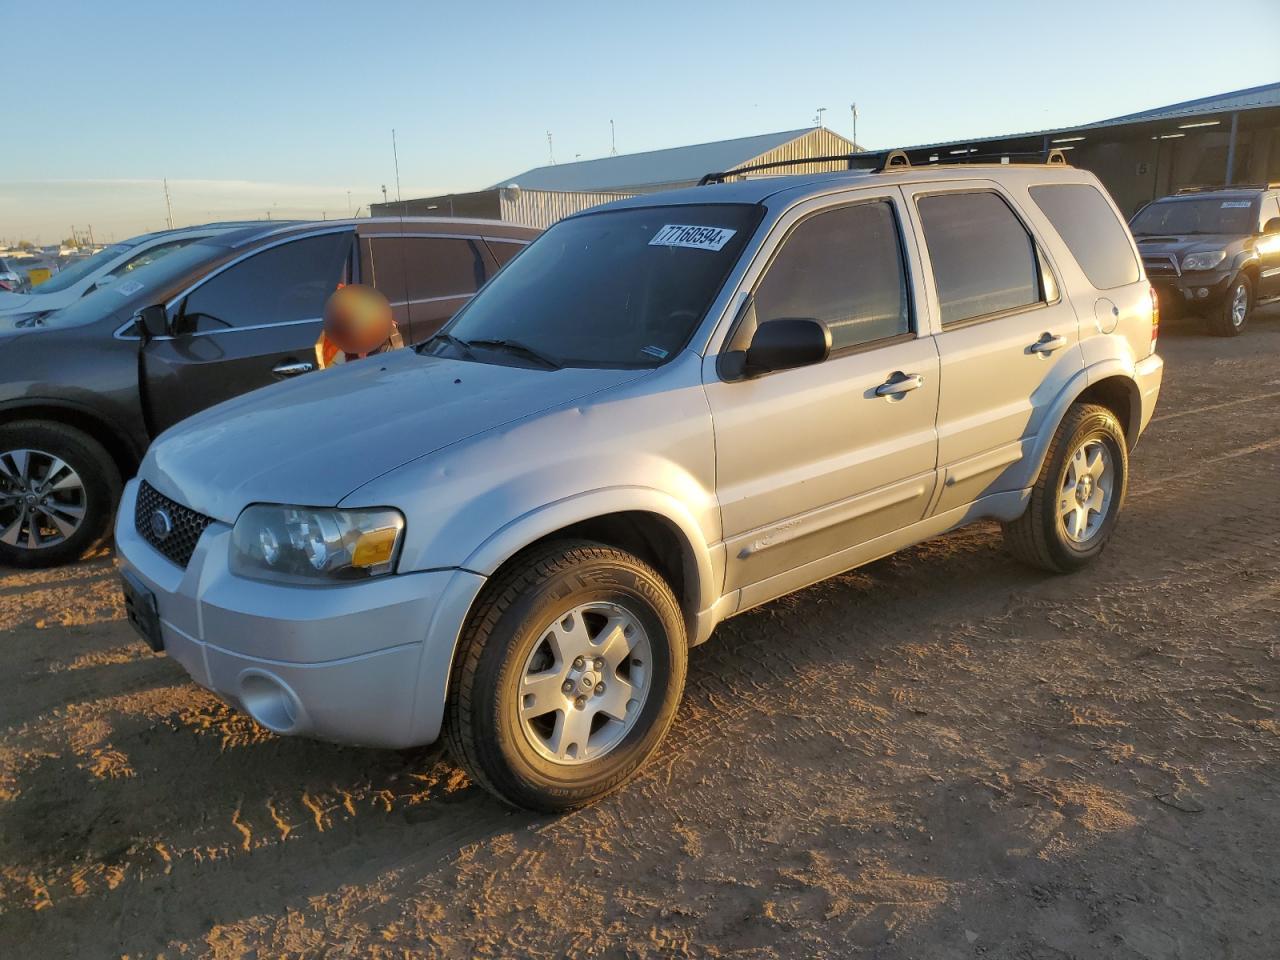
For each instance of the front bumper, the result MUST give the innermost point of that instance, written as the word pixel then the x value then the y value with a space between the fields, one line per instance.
pixel 365 663
pixel 1195 289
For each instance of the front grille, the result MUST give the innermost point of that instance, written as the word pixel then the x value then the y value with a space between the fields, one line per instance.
pixel 184 524
pixel 1161 267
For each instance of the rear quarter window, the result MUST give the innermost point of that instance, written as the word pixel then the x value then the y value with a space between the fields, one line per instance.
pixel 1091 230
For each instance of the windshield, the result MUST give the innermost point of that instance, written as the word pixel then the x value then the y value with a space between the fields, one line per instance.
pixel 622 288
pixel 139 288
pixel 68 276
pixel 1202 215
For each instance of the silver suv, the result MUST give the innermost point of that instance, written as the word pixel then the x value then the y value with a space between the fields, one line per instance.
pixel 664 412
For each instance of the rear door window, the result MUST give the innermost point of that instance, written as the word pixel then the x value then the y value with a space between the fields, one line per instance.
pixel 984 260
pixel 1091 230
pixel 288 283
pixel 416 269
pixel 843 267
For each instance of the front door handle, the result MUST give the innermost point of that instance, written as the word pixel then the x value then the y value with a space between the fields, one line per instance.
pixel 900 383
pixel 291 368
pixel 1047 344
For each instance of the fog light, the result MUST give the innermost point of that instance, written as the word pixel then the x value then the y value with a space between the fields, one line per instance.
pixel 1202 292
pixel 268 702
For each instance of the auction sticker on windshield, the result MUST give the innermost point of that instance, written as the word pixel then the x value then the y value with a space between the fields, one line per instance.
pixel 1238 204
pixel 128 287
pixel 700 238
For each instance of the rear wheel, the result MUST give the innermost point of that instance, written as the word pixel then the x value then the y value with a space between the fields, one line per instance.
pixel 58 492
pixel 567 676
pixel 1233 315
pixel 1077 497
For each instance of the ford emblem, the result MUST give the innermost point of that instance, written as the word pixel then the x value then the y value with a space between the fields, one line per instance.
pixel 161 523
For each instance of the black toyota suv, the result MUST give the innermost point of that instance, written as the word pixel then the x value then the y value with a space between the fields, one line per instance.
pixel 83 390
pixel 1213 252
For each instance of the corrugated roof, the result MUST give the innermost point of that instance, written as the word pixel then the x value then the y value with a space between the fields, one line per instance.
pixel 1267 95
pixel 674 165
pixel 1252 98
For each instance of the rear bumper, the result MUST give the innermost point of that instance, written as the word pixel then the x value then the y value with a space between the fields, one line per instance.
pixel 1148 374
pixel 364 663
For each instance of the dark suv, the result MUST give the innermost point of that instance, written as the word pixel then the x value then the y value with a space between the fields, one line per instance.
pixel 85 389
pixel 1214 252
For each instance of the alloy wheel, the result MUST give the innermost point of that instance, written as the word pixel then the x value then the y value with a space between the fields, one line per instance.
pixel 1085 498
pixel 1239 304
pixel 42 499
pixel 584 684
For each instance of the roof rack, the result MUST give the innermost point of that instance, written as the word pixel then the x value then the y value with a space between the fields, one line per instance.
pixel 1229 186
pixel 880 161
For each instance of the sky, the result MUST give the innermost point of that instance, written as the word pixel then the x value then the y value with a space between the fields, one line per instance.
pixel 279 108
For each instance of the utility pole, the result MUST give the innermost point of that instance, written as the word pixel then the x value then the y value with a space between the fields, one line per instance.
pixel 396 157
pixel 853 108
pixel 167 206
pixel 613 141
pixel 348 204
pixel 550 150
pixel 384 193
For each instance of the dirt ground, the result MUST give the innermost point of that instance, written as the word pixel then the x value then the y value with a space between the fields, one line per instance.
pixel 941 755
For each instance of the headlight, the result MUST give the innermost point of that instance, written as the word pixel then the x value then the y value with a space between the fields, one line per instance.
pixel 1203 261
pixel 314 545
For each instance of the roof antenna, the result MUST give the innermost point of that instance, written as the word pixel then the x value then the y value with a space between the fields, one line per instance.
pixel 817 120
pixel 613 141
pixel 550 151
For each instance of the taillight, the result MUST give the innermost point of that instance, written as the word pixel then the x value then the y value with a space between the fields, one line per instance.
pixel 1155 316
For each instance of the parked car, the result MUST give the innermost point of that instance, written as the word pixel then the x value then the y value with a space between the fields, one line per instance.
pixel 668 410
pixel 13 279
pixel 107 266
pixel 83 390
pixel 1214 252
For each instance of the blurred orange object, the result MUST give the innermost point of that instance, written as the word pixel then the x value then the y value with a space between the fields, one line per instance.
pixel 357 323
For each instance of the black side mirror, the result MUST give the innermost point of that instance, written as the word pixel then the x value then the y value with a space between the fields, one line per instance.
pixel 1272 227
pixel 154 321
pixel 786 343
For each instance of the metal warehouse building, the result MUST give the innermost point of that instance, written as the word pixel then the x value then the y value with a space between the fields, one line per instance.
pixel 543 195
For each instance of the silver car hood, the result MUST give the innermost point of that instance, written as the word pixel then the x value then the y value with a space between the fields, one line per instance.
pixel 315 439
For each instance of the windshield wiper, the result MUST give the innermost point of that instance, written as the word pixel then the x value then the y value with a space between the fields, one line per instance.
pixel 463 347
pixel 520 349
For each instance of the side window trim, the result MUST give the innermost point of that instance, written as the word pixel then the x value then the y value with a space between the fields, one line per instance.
pixel 1043 263
pixel 913 331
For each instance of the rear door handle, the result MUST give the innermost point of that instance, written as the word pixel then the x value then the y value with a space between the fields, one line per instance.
pixel 1047 344
pixel 900 383
pixel 291 368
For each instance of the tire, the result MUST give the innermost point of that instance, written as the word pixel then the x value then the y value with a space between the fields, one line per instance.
pixel 75 485
pixel 1232 315
pixel 545 600
pixel 1043 536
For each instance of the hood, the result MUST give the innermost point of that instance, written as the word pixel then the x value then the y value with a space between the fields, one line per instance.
pixel 15 302
pixel 315 439
pixel 1180 246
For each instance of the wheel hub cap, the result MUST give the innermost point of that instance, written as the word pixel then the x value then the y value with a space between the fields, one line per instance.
pixel 584 683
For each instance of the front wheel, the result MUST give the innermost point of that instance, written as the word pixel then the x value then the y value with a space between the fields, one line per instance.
pixel 1233 315
pixel 1077 497
pixel 567 676
pixel 58 491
